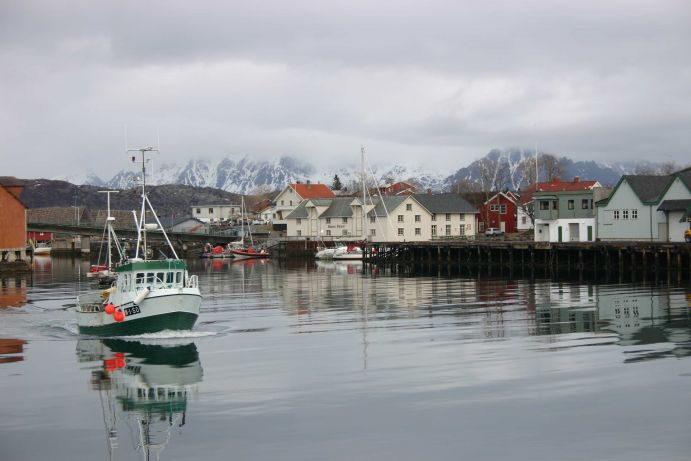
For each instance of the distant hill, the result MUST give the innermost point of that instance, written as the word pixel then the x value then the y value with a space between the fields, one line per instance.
pixel 166 199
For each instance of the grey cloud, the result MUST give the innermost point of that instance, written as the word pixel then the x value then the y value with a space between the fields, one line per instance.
pixel 588 78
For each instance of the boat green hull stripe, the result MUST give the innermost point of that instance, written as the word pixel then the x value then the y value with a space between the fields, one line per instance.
pixel 152 324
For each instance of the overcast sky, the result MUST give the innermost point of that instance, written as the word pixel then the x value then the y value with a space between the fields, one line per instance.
pixel 434 82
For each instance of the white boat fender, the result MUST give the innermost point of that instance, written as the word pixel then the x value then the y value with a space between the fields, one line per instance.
pixel 140 297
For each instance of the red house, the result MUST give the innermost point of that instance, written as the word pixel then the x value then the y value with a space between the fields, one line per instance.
pixel 397 188
pixel 12 221
pixel 500 212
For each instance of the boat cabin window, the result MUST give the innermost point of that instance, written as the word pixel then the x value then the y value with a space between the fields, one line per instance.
pixel 178 277
pixel 140 278
pixel 160 277
pixel 149 277
pixel 169 277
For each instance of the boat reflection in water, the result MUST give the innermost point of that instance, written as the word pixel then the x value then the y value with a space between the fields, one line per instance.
pixel 143 388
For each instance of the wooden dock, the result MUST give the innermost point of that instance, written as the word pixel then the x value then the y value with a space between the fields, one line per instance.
pixel 592 257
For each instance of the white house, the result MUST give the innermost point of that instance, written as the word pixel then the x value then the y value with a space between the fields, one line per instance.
pixel 292 196
pixel 215 213
pixel 418 217
pixel 635 210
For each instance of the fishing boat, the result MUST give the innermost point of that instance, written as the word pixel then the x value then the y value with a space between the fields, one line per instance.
pixel 147 295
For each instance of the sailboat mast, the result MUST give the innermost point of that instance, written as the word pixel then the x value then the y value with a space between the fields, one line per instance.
pixel 364 192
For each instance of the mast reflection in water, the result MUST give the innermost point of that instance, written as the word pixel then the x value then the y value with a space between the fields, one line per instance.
pixel 144 387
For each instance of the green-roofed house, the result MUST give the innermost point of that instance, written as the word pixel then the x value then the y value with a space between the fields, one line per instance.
pixel 418 217
pixel 645 207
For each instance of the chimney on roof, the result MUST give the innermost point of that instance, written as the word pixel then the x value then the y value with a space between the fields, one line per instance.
pixel 576 179
pixel 429 191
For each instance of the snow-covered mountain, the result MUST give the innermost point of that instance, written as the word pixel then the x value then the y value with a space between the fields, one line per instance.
pixel 513 169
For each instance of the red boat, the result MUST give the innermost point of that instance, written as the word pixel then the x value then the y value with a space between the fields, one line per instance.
pixel 249 252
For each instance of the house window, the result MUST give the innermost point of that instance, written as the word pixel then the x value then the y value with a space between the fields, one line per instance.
pixel 328 232
pixel 494 208
pixel 298 221
pixel 461 217
pixel 409 207
pixel 634 214
pixel 211 211
pixel 373 232
pixel 524 220
pixel 448 229
pixel 434 217
pixel 555 204
pixel 400 231
pixel 400 218
pixel 544 204
pixel 624 214
pixel 502 209
pixel 418 231
pixel 283 202
pixel 199 210
pixel 299 233
pixel 615 214
pixel 328 220
pixel 345 220
pixel 418 218
pixel 570 204
pixel 345 231
pixel 448 216
pixel 434 231
pixel 481 226
pixel 373 219
pixel 462 230
pixel 291 203
pixel 584 204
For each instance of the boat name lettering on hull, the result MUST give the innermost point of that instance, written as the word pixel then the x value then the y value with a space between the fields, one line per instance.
pixel 132 310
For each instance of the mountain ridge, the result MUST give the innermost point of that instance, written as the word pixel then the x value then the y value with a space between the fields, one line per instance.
pixel 242 175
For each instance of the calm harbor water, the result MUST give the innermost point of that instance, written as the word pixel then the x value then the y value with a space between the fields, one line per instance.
pixel 320 361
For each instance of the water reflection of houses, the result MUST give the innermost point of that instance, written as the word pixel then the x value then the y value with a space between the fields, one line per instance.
pixel 638 316
pixel 12 291
pixel 142 385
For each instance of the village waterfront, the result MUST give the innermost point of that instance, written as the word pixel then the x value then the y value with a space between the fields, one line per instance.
pixel 325 360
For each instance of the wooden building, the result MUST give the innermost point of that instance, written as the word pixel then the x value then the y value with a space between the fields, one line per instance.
pixel 12 221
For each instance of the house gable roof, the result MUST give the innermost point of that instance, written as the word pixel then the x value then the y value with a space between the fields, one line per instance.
pixel 384 205
pixel 13 187
pixel 557 185
pixel 444 203
pixel 307 191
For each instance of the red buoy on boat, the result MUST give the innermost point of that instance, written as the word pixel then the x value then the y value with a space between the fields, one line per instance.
pixel 109 309
pixel 119 316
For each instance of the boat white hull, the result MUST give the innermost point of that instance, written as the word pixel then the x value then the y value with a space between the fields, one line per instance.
pixel 163 309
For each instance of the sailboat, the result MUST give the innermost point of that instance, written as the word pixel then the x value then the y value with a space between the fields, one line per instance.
pixel 147 295
pixel 243 252
pixel 353 251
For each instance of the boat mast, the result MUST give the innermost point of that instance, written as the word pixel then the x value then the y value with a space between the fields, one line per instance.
pixel 364 192
pixel 141 231
pixel 109 222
